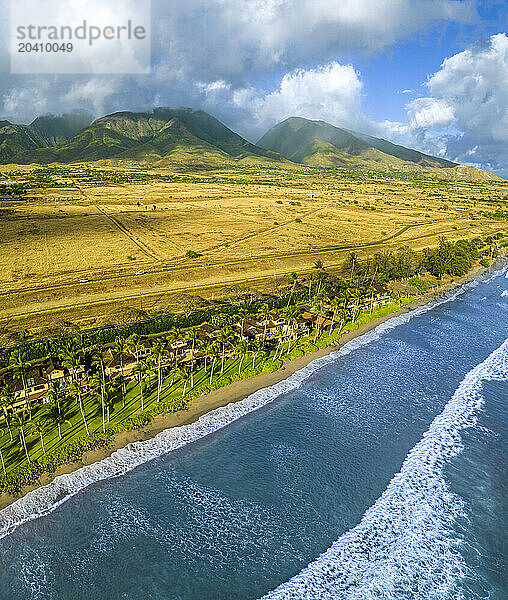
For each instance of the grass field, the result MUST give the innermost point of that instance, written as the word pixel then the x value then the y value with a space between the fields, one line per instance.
pixel 172 393
pixel 14 454
pixel 248 225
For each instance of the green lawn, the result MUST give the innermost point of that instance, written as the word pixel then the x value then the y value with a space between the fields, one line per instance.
pixel 15 457
pixel 73 431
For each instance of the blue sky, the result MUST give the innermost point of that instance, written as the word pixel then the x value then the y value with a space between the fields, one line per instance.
pixel 253 63
pixel 409 64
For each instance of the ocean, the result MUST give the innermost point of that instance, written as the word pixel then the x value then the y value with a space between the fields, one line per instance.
pixel 377 472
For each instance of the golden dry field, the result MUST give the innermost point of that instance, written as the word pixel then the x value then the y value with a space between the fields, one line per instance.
pixel 129 238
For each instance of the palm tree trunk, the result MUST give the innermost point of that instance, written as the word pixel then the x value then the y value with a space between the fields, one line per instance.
pixel 3 464
pixel 241 361
pixel 333 320
pixel 141 392
pixel 42 444
pixel 59 430
pixel 82 409
pixel 27 399
pixel 211 369
pixel 123 383
pixel 159 382
pixel 22 436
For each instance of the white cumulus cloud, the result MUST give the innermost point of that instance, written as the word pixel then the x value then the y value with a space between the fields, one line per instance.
pixel 469 96
pixel 331 92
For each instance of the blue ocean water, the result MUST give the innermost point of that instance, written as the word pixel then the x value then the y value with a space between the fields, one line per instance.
pixel 378 472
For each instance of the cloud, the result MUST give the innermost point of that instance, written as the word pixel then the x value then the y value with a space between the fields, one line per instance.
pixel 469 102
pixel 424 113
pixel 331 92
pixel 237 43
pixel 256 36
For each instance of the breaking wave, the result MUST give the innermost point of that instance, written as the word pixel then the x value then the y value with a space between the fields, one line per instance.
pixel 46 499
pixel 403 548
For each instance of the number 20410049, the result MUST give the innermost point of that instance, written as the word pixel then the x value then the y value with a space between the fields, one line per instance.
pixel 47 47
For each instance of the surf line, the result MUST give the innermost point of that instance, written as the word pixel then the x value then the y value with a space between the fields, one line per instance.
pixel 404 542
pixel 45 499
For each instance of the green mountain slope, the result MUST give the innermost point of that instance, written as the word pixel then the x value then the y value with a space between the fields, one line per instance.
pixel 15 139
pixel 296 138
pixel 162 137
pixel 54 129
pixel 44 131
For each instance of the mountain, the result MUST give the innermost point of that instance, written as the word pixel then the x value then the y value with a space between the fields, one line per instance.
pixel 54 129
pixel 317 143
pixel 162 137
pixel 44 131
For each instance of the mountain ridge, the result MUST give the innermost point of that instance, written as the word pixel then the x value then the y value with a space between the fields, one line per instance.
pixel 187 139
pixel 163 135
pixel 42 132
pixel 295 139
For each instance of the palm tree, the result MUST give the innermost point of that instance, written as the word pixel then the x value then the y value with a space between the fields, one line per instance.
pixel 1 452
pixel 97 388
pixel 54 392
pixel 224 338
pixel 319 275
pixel 100 382
pixel 294 278
pixel 140 369
pixel 318 304
pixel 256 349
pixel 279 333
pixel 120 348
pixel 19 365
pixel 172 335
pixel 265 312
pixel 241 348
pixel 71 360
pixel 55 415
pixel 204 346
pixel 132 344
pixel 343 316
pixel 7 400
pixel 21 421
pixel 335 304
pixel 149 366
pixel 192 337
pixel 184 377
pixel 158 350
pixel 215 351
pixel 110 392
pixel 40 428
pixel 75 392
pixel 356 296
pixel 243 313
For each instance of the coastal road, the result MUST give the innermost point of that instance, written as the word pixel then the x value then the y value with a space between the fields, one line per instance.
pixel 193 289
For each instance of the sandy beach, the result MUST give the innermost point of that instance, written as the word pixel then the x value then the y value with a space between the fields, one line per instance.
pixel 232 393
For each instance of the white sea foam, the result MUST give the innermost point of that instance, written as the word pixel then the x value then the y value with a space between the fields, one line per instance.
pixel 403 547
pixel 46 499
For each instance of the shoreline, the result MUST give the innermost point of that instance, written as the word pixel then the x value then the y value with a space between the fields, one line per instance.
pixel 236 391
